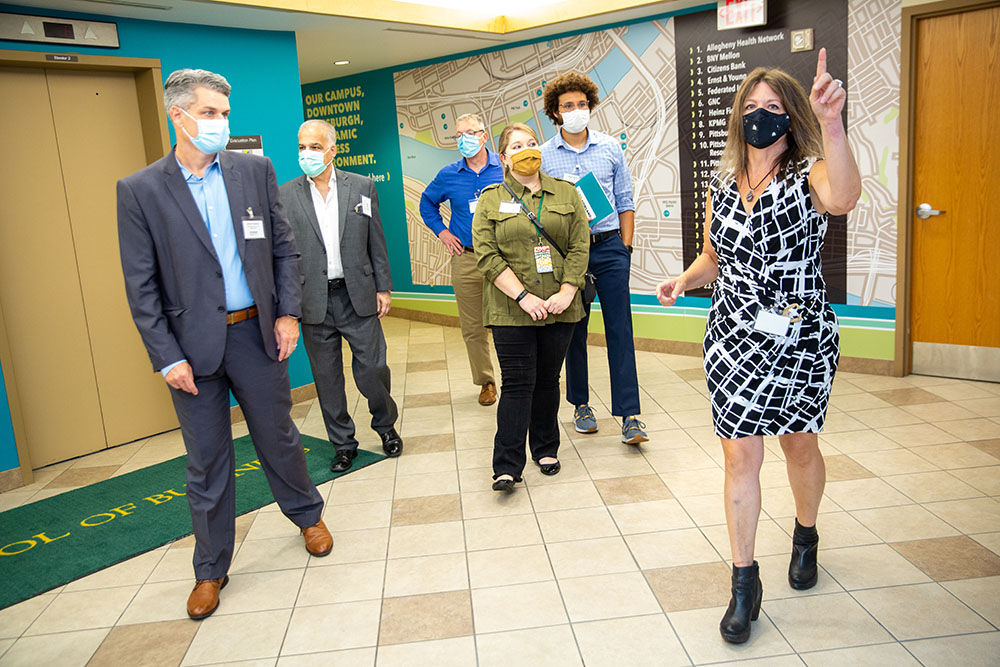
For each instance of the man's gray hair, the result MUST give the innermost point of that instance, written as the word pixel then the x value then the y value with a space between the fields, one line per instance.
pixel 474 117
pixel 180 85
pixel 319 123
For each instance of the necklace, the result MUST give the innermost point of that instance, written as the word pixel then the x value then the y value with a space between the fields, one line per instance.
pixel 750 194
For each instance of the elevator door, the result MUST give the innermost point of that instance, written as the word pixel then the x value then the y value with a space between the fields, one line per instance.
pixel 82 375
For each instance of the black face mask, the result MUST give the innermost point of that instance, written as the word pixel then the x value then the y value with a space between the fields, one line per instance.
pixel 762 128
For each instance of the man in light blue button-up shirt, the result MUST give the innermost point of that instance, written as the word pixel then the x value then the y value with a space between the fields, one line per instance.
pixel 212 279
pixel 574 152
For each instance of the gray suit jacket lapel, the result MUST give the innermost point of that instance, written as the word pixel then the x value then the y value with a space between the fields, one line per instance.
pixel 181 193
pixel 306 201
pixel 234 190
pixel 345 197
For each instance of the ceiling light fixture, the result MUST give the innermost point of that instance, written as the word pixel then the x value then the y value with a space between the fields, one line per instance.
pixel 342 62
pixel 130 3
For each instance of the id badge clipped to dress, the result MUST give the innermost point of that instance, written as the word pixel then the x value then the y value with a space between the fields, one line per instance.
pixel 253 226
pixel 772 323
pixel 543 259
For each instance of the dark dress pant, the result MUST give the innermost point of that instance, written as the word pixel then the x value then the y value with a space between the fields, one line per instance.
pixel 261 387
pixel 611 265
pixel 368 364
pixel 530 359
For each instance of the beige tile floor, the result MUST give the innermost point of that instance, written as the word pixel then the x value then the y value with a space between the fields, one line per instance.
pixel 621 559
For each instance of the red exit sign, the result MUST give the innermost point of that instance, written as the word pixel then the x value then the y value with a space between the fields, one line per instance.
pixel 742 13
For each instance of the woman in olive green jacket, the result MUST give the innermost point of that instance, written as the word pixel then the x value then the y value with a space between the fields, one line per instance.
pixel 531 298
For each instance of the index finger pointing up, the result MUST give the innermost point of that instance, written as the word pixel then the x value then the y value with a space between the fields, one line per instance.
pixel 821 63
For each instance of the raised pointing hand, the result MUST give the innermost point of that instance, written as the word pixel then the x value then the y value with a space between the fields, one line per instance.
pixel 827 96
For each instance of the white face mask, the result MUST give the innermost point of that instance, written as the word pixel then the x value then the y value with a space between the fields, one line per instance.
pixel 576 120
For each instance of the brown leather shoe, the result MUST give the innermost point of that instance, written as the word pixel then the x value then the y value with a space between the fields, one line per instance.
pixel 488 396
pixel 319 542
pixel 204 599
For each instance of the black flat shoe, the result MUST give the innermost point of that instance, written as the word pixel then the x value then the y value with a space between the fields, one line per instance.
pixel 549 468
pixel 503 485
pixel 392 444
pixel 342 460
pixel 802 570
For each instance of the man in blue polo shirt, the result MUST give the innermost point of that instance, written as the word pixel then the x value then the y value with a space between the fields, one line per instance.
pixel 461 182
pixel 572 153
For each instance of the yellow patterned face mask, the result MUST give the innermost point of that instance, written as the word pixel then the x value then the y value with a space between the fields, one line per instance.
pixel 526 161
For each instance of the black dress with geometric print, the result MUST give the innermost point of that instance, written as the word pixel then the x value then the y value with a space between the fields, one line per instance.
pixel 762 383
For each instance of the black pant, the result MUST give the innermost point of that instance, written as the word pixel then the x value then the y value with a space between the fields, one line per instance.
pixel 530 359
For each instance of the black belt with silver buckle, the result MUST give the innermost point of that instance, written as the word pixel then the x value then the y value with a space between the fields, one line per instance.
pixel 603 236
pixel 336 283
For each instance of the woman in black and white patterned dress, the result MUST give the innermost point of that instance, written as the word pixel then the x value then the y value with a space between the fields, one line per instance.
pixel 771 341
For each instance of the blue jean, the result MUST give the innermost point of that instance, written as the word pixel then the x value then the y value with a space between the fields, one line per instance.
pixel 611 264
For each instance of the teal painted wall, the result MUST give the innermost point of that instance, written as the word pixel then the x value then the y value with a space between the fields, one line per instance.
pixel 262 67
pixel 8 450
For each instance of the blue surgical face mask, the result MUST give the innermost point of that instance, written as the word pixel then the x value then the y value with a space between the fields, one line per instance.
pixel 468 145
pixel 213 134
pixel 312 163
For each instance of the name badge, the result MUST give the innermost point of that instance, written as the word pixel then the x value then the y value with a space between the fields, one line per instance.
pixel 366 206
pixel 543 259
pixel 572 178
pixel 253 228
pixel 510 206
pixel 472 205
pixel 772 323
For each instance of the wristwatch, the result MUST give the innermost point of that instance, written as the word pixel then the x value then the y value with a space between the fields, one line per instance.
pixel 520 296
pixel 629 249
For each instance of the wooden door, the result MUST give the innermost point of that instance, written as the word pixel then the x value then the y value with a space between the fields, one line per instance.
pixel 955 307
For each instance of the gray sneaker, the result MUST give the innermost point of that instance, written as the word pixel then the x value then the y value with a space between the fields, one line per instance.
pixel 632 431
pixel 584 419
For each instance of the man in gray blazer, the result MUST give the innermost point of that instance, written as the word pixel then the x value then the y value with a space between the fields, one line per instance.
pixel 346 288
pixel 212 279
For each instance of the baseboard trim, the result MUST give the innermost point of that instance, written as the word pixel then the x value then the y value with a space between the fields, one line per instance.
pixel 11 479
pixel 424 316
pixel 686 348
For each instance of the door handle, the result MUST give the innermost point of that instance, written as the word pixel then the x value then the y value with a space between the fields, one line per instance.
pixel 925 211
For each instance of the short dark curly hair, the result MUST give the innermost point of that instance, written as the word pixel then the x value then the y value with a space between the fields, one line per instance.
pixel 568 83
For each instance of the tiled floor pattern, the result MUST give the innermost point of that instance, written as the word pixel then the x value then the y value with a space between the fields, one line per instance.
pixel 621 559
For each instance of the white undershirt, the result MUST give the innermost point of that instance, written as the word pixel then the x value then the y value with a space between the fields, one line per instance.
pixel 328 215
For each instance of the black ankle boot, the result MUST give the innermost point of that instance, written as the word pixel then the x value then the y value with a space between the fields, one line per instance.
pixel 744 606
pixel 802 571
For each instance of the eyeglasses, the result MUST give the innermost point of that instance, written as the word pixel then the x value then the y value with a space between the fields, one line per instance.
pixel 471 133
pixel 569 106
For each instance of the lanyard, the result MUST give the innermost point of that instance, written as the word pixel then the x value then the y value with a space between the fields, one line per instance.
pixel 539 216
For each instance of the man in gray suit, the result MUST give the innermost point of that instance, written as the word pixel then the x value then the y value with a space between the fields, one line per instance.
pixel 346 287
pixel 212 278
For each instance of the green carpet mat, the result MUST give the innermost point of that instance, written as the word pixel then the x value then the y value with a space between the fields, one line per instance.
pixel 53 541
